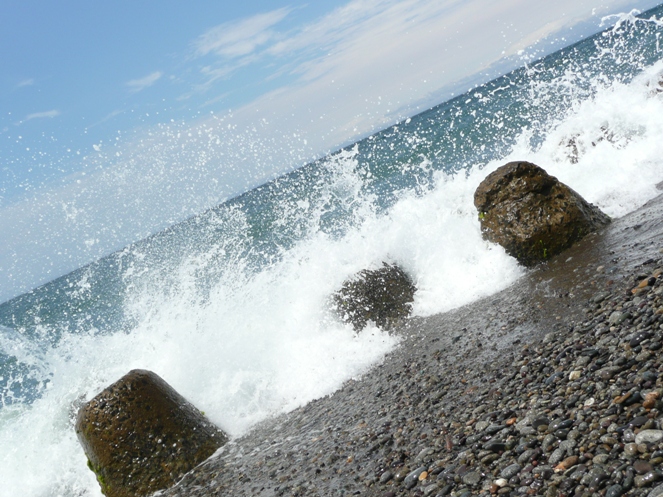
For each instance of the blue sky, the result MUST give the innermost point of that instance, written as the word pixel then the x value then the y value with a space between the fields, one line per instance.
pixel 76 73
pixel 120 118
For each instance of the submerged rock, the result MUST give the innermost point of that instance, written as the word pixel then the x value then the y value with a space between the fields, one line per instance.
pixel 141 436
pixel 577 145
pixel 383 296
pixel 532 214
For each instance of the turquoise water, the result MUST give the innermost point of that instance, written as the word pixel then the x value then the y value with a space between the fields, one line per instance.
pixel 231 306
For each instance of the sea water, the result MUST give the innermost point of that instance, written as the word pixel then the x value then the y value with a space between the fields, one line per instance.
pixel 231 307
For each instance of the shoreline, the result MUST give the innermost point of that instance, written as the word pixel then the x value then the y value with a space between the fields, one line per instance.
pixel 410 425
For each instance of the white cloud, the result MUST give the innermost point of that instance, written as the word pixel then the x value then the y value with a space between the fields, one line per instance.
pixel 213 74
pixel 136 85
pixel 371 63
pixel 42 115
pixel 242 43
pixel 26 82
pixel 334 27
pixel 108 117
pixel 237 44
pixel 379 34
pixel 236 39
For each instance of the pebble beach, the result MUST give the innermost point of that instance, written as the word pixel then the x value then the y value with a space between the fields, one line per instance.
pixel 552 387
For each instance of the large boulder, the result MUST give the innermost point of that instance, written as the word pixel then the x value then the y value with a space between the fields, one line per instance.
pixel 532 214
pixel 141 436
pixel 383 296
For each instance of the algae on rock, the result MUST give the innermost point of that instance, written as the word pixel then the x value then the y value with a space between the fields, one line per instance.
pixel 532 214
pixel 383 296
pixel 141 436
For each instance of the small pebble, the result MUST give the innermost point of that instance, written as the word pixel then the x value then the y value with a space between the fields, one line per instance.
pixel 510 471
pixel 431 489
pixel 501 482
pixel 555 457
pixel 413 477
pixel 631 449
pixel 649 436
pixel 656 491
pixel 614 491
pixel 641 467
pixel 646 479
pixel 401 473
pixel 650 400
pixel 445 489
pixel 472 478
pixel 567 463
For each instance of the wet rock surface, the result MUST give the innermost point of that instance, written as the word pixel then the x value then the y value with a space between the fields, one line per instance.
pixel 140 435
pixel 532 391
pixel 532 214
pixel 383 296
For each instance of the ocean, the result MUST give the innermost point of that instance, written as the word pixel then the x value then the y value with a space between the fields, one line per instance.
pixel 231 307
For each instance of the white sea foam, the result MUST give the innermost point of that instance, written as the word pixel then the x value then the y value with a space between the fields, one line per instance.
pixel 259 344
pixel 618 137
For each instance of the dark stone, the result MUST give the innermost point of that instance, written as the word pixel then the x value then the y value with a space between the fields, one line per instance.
pixel 638 421
pixel 633 399
pixel 561 424
pixel 641 467
pixel 639 337
pixel 492 429
pixel 473 438
pixel 561 434
pixel 383 296
pixel 628 481
pixel 495 446
pixel 597 481
pixel 445 489
pixel 472 478
pixel 531 214
pixel 141 436
pixel 412 479
pixel 510 471
pixel 646 479
pixel 386 476
pixel 567 484
pixel 554 377
pixel 614 491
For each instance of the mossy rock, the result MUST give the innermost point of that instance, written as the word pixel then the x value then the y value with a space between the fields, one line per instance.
pixel 383 296
pixel 141 436
pixel 532 214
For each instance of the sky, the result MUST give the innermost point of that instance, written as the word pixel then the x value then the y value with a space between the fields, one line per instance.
pixel 118 119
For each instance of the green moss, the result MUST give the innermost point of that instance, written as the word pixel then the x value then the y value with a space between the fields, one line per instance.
pixel 100 477
pixel 102 483
pixel 482 215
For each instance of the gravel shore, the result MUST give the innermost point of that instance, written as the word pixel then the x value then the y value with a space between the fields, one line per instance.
pixel 552 387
